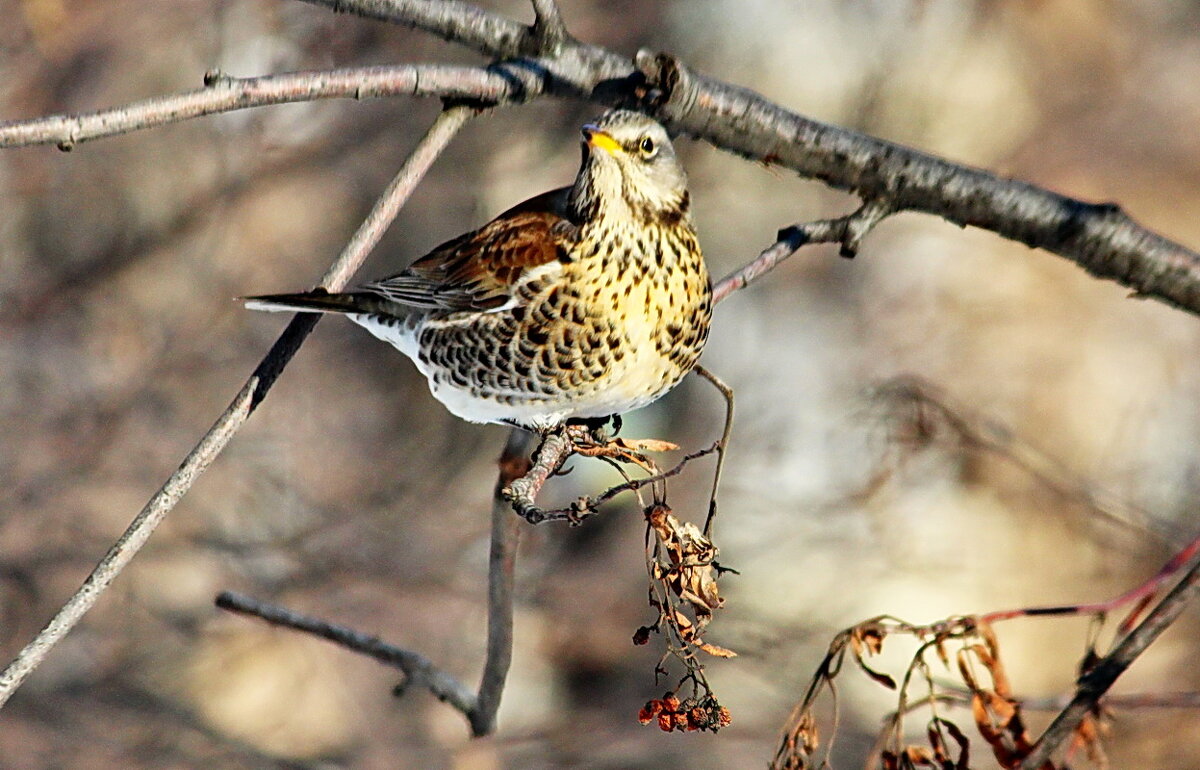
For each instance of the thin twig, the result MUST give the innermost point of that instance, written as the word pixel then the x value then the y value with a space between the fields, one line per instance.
pixel 418 670
pixel 1139 595
pixel 587 505
pixel 251 394
pixel 1101 677
pixel 787 242
pixel 723 445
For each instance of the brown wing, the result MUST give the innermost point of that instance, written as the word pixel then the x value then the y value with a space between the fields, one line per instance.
pixel 477 271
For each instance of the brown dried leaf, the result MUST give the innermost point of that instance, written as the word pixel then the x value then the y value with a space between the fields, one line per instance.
pixel 920 756
pixel 716 651
pixel 645 444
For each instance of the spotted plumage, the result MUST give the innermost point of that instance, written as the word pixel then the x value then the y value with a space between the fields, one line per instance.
pixel 582 302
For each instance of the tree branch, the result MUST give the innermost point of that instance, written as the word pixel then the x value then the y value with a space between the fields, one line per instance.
pixel 222 93
pixel 1101 238
pixel 479 708
pixel 418 670
pixel 251 394
pixel 1101 677
pixel 1097 236
pixel 514 463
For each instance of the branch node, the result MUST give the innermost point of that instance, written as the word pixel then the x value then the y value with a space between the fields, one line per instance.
pixel 213 77
pixel 549 32
pixel 667 88
pixel 862 222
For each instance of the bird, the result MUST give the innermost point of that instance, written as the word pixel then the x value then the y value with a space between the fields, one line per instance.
pixel 580 304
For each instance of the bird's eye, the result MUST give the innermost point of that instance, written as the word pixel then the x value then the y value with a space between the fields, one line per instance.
pixel 647 147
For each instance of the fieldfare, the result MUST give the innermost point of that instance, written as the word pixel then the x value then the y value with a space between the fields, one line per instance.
pixel 583 302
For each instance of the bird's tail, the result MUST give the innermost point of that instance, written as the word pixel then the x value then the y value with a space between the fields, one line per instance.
pixel 323 302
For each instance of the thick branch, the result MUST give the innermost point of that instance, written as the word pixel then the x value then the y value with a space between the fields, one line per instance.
pixel 251 394
pixel 1099 237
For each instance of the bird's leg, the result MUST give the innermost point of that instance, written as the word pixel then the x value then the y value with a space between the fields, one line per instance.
pixel 727 392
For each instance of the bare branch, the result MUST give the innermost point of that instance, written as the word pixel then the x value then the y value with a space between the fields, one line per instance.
pixel 548 28
pixel 223 93
pixel 789 240
pixel 417 669
pixel 522 492
pixel 127 546
pixel 251 394
pixel 1098 236
pixel 479 709
pixel 514 463
pixel 1101 677
pixel 489 33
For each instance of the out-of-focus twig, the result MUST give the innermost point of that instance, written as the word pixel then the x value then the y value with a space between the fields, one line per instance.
pixel 251 394
pixel 418 670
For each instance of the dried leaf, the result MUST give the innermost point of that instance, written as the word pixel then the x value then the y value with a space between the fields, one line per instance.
pixel 645 444
pixel 716 651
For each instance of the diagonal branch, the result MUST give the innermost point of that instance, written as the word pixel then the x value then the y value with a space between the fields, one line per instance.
pixel 1104 674
pixel 251 394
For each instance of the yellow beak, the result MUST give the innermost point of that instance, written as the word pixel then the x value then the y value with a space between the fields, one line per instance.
pixel 597 138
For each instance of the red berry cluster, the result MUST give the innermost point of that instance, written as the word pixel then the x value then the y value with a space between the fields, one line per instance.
pixel 686 715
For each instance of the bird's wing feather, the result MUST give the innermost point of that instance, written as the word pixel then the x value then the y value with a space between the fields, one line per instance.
pixel 479 270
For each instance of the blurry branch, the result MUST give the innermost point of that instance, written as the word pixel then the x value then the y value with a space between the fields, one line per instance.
pixel 543 59
pixel 418 670
pixel 502 559
pixel 131 541
pixel 251 394
pixel 996 711
pixel 1099 678
pixel 479 708
pixel 927 410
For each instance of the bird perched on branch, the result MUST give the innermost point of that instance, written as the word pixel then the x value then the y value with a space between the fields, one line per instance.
pixel 583 302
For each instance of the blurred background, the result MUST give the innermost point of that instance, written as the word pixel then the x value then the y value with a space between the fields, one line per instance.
pixel 353 496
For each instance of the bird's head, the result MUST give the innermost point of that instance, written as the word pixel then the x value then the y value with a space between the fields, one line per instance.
pixel 629 168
